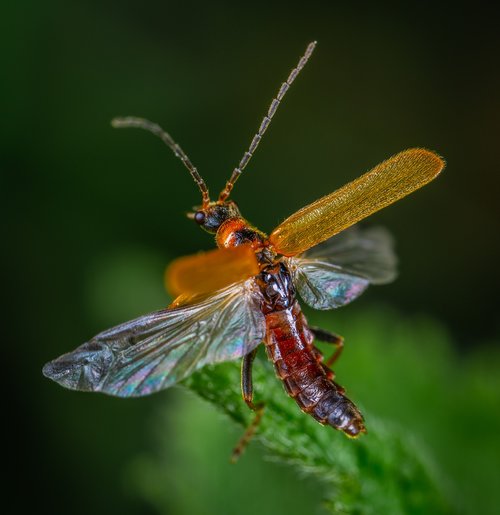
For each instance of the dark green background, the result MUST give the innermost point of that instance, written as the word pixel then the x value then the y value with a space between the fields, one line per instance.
pixel 92 215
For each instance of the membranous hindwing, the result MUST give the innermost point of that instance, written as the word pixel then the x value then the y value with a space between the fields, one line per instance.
pixel 157 350
pixel 337 271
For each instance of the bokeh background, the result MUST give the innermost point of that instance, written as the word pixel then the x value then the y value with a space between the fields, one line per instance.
pixel 92 215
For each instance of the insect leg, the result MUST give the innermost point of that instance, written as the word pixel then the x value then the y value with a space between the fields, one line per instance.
pixel 247 393
pixel 328 337
pixel 246 379
pixel 330 374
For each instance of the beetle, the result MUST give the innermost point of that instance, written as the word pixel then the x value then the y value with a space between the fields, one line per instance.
pixel 231 299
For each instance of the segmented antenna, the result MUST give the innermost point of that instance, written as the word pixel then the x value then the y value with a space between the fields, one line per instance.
pixel 266 121
pixel 142 123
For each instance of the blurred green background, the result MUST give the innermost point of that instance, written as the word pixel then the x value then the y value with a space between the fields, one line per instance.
pixel 92 216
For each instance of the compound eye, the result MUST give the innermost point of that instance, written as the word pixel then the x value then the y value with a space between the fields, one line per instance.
pixel 199 217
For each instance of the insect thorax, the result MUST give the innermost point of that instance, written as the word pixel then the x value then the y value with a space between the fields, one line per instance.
pixel 237 231
pixel 277 288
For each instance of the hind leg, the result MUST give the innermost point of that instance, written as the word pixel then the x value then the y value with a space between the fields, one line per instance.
pixel 332 338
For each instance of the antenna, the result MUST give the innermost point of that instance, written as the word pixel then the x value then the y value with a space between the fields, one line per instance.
pixel 142 123
pixel 266 121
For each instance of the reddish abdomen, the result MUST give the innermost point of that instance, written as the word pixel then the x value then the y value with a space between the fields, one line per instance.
pixel 289 345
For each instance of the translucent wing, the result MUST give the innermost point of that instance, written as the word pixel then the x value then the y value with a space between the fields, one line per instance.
pixel 155 351
pixel 367 252
pixel 386 183
pixel 336 272
pixel 323 285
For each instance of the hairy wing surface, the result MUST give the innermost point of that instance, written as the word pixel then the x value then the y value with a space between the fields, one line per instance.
pixel 210 271
pixel 388 182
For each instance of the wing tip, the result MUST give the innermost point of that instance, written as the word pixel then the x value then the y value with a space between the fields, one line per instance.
pixel 60 374
pixel 434 163
pixel 47 370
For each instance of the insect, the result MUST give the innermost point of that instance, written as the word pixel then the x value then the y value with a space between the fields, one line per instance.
pixel 231 299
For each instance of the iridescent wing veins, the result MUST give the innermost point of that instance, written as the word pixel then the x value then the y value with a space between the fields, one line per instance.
pixel 337 271
pixel 157 350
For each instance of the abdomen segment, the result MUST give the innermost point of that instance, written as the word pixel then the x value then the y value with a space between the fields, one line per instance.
pixel 289 345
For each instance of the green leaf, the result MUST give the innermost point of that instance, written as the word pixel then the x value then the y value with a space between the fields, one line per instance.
pixel 354 472
pixel 421 403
